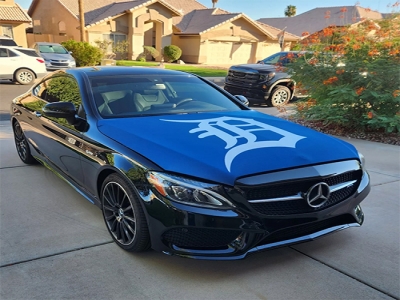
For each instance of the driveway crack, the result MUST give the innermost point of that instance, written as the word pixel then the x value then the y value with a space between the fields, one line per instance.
pixel 346 274
pixel 53 255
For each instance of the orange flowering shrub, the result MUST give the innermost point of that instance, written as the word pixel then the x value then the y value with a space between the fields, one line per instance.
pixel 352 74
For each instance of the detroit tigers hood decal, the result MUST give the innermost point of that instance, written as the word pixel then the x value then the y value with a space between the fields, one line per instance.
pixel 234 130
pixel 224 146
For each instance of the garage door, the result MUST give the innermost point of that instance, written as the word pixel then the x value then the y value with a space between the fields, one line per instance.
pixel 228 52
pixel 241 53
pixel 219 52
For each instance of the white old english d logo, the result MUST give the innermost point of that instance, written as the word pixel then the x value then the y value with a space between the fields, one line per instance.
pixel 231 130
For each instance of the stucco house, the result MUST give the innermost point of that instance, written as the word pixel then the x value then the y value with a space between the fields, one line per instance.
pixel 206 36
pixel 13 21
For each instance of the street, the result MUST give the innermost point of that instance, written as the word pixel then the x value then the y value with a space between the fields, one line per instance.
pixel 54 244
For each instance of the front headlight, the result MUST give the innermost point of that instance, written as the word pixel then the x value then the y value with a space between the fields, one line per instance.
pixel 362 160
pixel 267 77
pixel 187 191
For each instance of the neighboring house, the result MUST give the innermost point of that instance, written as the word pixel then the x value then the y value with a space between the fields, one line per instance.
pixel 207 36
pixel 13 21
pixel 319 18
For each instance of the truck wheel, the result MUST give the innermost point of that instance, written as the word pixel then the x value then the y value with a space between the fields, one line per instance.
pixel 280 96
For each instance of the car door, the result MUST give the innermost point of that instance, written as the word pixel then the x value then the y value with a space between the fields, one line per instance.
pixel 57 141
pixel 9 62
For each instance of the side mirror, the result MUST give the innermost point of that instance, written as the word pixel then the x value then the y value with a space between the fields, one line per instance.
pixel 242 99
pixel 64 110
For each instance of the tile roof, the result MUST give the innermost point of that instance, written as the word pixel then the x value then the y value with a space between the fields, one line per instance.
pixel 202 20
pixel 101 10
pixel 276 31
pixel 321 17
pixel 102 14
pixel 13 13
pixel 97 10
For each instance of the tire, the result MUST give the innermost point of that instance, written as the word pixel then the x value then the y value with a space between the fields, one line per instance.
pixel 123 214
pixel 280 96
pixel 22 145
pixel 24 76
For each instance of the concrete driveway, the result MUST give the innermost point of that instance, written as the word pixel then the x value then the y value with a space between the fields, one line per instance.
pixel 54 244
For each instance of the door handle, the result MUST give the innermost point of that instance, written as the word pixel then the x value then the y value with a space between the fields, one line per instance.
pixel 38 114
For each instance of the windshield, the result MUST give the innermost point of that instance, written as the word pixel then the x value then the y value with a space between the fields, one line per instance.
pixel 128 95
pixel 281 58
pixel 7 42
pixel 52 49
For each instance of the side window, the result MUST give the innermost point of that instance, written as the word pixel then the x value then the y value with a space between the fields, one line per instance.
pixel 40 90
pixel 12 53
pixel 63 89
pixel 3 52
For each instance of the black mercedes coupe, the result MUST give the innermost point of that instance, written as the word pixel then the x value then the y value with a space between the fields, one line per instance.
pixel 177 164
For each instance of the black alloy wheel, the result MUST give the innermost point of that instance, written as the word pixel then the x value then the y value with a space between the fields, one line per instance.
pixel 123 214
pixel 280 96
pixel 22 146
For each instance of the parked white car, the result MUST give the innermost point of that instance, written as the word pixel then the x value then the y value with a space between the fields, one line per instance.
pixel 21 65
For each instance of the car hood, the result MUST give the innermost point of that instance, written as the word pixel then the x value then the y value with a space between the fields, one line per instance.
pixel 224 146
pixel 254 67
pixel 56 56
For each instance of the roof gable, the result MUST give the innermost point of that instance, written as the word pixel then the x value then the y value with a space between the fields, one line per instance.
pixel 13 13
pixel 101 10
pixel 276 31
pixel 203 20
pixel 116 9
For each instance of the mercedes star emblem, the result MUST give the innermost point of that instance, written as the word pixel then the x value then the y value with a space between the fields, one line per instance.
pixel 318 194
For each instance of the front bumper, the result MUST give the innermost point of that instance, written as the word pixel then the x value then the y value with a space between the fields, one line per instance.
pixel 254 95
pixel 187 231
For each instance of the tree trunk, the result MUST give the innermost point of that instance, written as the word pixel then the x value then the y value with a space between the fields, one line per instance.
pixel 82 20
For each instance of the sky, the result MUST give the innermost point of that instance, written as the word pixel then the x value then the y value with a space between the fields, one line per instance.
pixel 257 9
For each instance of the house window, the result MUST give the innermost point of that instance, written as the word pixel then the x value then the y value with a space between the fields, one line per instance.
pixel 7 30
pixel 114 38
pixel 36 27
pixel 62 27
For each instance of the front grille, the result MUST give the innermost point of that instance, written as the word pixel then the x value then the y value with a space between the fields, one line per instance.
pixel 250 94
pixel 293 188
pixel 243 77
pixel 309 228
pixel 59 64
pixel 192 238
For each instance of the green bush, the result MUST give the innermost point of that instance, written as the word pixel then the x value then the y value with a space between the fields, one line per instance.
pixel 121 49
pixel 84 53
pixel 352 77
pixel 172 53
pixel 148 50
pixel 141 57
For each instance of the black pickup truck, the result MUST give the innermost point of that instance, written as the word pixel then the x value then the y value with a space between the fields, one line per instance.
pixel 264 82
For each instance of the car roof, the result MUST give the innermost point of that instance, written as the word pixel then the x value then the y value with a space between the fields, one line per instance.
pixel 17 48
pixel 120 70
pixel 47 43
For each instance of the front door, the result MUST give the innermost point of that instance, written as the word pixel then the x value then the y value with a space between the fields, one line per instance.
pixel 58 143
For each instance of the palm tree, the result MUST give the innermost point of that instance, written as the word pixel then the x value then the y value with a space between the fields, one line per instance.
pixel 214 2
pixel 290 11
